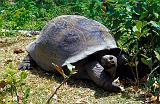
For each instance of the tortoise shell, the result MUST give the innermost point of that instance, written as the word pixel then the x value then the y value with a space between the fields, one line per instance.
pixel 68 39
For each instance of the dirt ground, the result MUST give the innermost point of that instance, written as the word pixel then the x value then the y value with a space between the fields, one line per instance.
pixel 42 84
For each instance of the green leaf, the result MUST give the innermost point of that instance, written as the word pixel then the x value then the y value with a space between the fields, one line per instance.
pixel 128 41
pixel 10 72
pixel 156 15
pixel 70 67
pixel 147 61
pixel 154 24
pixel 138 34
pixel 128 8
pixel 143 15
pixel 145 32
pixel 23 75
pixel 139 26
pixel 135 29
pixel 157 55
pixel 26 93
pixel 145 23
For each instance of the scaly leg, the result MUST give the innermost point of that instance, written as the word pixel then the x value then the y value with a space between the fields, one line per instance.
pixel 97 73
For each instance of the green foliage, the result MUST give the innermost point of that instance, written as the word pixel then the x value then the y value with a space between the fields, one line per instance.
pixel 153 84
pixel 13 87
pixel 136 27
pixel 28 14
pixel 135 24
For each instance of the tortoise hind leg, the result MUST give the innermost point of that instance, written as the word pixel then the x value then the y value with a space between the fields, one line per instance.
pixel 27 63
pixel 97 74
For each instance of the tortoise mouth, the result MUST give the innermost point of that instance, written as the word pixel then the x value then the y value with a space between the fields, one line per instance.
pixel 109 65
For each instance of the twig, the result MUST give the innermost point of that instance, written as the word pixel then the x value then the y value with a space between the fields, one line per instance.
pixel 64 81
pixel 60 70
pixel 158 97
pixel 137 77
pixel 153 71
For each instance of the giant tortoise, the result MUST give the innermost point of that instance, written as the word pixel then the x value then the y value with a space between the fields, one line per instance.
pixel 82 42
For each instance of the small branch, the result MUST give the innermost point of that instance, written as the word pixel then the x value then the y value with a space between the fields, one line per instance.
pixel 158 97
pixel 137 77
pixel 49 99
pixel 60 70
pixel 153 71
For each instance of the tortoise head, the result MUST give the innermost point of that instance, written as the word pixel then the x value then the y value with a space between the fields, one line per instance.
pixel 108 61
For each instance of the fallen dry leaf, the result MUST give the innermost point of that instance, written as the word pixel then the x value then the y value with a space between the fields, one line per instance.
pixel 151 99
pixel 60 70
pixel 18 50
pixel 156 85
pixel 7 61
pixel 3 84
pixel 134 89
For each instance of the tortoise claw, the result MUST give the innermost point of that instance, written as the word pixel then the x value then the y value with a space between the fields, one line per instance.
pixel 25 66
pixel 27 63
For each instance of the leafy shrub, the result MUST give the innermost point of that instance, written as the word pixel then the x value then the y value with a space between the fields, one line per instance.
pixel 136 27
pixel 135 24
pixel 12 86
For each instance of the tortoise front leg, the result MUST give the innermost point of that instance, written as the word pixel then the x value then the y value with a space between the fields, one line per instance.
pixel 97 73
pixel 27 63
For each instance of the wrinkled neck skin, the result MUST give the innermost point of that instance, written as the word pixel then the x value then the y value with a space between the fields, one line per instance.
pixel 111 71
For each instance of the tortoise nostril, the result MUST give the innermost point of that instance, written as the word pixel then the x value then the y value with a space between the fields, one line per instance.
pixel 112 62
pixel 110 58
